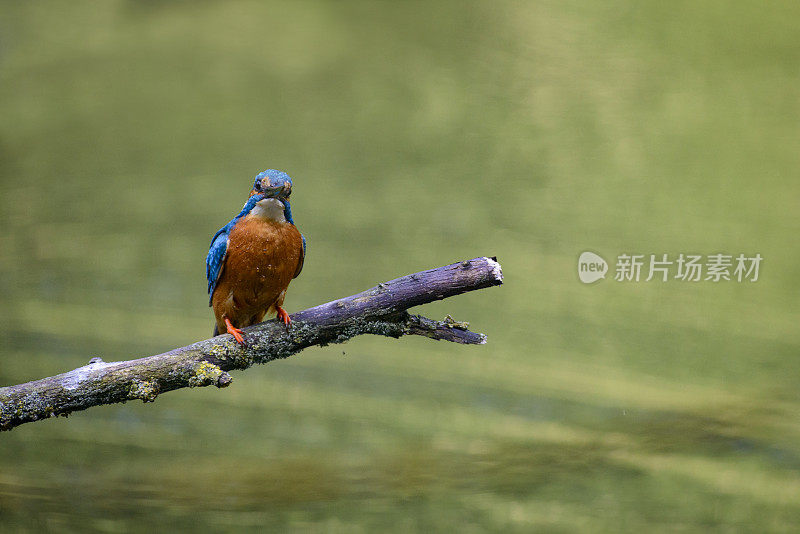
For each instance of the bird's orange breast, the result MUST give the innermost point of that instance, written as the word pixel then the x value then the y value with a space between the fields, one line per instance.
pixel 262 258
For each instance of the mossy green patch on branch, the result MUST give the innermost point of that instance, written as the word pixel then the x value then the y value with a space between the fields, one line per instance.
pixel 147 390
pixel 207 373
pixel 452 323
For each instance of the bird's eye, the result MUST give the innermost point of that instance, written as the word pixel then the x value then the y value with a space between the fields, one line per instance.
pixel 257 185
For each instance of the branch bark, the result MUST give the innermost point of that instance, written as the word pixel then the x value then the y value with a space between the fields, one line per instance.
pixel 380 310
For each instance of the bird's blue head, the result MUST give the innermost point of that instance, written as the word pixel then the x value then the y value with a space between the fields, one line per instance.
pixel 273 184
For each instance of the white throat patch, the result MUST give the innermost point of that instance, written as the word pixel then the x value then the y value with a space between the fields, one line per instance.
pixel 269 208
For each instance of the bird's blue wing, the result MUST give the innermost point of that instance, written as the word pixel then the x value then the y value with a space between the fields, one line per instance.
pixel 302 258
pixel 215 261
pixel 216 257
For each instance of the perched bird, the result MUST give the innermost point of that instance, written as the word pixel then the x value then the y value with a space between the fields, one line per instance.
pixel 253 258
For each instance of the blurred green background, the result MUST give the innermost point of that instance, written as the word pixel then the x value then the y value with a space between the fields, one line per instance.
pixel 417 134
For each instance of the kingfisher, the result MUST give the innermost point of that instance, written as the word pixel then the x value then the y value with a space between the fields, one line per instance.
pixel 253 258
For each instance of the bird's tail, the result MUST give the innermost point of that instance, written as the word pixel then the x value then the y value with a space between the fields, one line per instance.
pixel 216 330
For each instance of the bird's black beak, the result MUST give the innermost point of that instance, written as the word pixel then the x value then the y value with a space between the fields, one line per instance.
pixel 280 192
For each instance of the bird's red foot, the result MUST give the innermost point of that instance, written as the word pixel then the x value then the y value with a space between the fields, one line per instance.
pixel 283 316
pixel 235 332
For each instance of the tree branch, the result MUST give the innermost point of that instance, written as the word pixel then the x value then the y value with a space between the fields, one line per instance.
pixel 380 310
